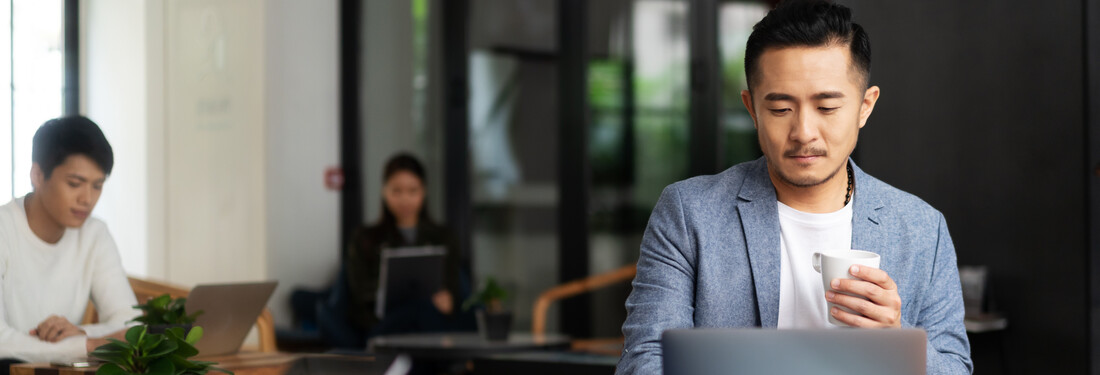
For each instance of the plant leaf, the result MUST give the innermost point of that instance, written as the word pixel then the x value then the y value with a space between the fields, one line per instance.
pixel 175 332
pixel 180 362
pixel 110 369
pixel 164 310
pixel 135 334
pixel 162 366
pixel 112 357
pixel 161 301
pixel 194 336
pixel 186 350
pixel 110 350
pixel 151 341
pixel 166 347
pixel 183 366
pixel 120 343
pixel 113 346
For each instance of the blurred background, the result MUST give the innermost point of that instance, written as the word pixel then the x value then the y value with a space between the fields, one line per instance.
pixel 250 135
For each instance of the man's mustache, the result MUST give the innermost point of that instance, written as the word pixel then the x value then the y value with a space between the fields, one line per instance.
pixel 805 151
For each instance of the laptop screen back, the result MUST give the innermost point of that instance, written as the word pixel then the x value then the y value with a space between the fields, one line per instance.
pixel 229 312
pixel 770 351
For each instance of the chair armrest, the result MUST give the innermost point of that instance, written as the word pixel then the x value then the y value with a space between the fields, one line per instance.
pixel 575 287
pixel 265 329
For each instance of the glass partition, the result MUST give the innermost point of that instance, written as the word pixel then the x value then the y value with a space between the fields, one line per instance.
pixel 735 21
pixel 513 154
pixel 638 132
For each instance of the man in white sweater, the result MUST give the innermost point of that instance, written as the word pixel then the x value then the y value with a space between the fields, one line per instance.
pixel 53 257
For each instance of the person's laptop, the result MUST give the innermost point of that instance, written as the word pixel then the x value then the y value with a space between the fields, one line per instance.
pixel 228 312
pixel 771 351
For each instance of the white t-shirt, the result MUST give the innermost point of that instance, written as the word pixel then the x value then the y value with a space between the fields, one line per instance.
pixel 38 279
pixel 801 294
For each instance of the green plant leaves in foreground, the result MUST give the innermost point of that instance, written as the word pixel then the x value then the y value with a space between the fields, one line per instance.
pixel 165 310
pixel 148 353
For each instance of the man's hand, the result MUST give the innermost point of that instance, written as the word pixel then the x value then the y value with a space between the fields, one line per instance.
pixel 882 308
pixel 442 301
pixel 55 328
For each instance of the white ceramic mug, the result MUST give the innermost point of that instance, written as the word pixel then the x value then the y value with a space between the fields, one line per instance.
pixel 834 265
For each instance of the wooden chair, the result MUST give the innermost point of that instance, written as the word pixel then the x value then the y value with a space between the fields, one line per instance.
pixel 146 289
pixel 575 287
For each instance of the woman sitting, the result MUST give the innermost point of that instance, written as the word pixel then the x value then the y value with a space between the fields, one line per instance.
pixel 404 222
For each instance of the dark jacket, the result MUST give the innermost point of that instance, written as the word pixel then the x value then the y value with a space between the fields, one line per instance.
pixel 362 260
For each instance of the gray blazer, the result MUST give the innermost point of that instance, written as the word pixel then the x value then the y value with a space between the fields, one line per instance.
pixel 710 258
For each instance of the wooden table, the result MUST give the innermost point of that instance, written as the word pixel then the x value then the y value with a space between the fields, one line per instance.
pixel 241 364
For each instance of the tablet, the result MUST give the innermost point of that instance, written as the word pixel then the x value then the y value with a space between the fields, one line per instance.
pixel 408 274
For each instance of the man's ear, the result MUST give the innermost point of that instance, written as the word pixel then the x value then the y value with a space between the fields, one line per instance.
pixel 746 98
pixel 38 178
pixel 870 97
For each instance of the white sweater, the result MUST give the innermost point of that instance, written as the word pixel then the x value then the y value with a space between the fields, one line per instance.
pixel 38 279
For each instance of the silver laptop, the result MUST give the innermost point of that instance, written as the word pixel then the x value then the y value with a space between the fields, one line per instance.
pixel 229 312
pixel 770 351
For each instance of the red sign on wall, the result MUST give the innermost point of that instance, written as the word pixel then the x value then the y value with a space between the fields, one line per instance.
pixel 334 178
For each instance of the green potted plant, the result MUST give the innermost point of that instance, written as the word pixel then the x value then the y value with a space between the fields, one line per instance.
pixel 153 353
pixel 164 312
pixel 493 321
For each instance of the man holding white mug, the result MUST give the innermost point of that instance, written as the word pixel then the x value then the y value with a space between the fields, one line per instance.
pixel 736 249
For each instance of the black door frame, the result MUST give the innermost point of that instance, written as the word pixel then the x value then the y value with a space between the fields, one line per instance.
pixel 351 196
pixel 706 88
pixel 458 208
pixel 70 102
pixel 574 171
pixel 1091 129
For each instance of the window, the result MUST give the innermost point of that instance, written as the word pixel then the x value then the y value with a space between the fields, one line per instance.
pixel 32 67
pixel 735 21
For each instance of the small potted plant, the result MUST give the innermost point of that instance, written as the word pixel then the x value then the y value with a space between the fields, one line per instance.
pixel 153 353
pixel 493 321
pixel 164 312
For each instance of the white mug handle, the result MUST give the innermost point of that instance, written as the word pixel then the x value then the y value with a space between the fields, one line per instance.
pixel 817 262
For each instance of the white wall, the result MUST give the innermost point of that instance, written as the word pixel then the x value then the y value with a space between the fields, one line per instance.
pixel 302 111
pixel 223 116
pixel 114 96
pixel 178 89
pixel 215 141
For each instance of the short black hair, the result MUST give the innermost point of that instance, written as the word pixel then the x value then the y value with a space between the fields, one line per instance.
pixel 62 137
pixel 808 23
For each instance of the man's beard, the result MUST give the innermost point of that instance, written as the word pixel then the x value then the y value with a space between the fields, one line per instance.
pixel 808 181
